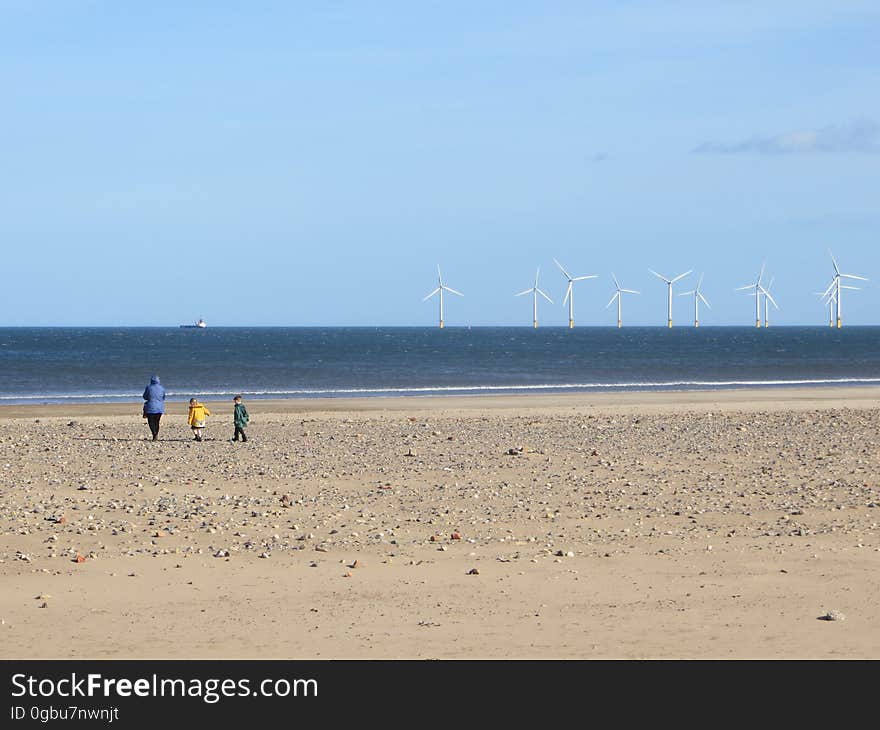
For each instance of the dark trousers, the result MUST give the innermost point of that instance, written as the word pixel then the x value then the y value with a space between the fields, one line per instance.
pixel 153 421
pixel 239 430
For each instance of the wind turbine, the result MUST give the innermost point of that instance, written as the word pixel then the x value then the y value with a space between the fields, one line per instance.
pixel 619 297
pixel 441 287
pixel 767 301
pixel 833 298
pixel 534 290
pixel 698 295
pixel 569 294
pixel 669 283
pixel 758 290
pixel 837 286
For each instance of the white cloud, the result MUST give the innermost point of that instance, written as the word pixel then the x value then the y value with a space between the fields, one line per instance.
pixel 861 137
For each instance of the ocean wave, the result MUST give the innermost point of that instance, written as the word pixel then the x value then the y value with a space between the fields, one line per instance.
pixel 448 389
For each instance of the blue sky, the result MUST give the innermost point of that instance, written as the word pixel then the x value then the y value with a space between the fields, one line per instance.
pixel 280 163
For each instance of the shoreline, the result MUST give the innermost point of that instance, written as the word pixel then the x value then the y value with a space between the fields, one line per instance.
pixel 856 396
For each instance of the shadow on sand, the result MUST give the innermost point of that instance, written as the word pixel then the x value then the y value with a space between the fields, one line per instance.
pixel 144 440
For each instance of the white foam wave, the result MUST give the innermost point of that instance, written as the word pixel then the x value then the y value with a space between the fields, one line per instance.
pixel 314 392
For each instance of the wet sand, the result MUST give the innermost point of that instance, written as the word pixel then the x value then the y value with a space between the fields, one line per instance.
pixel 656 525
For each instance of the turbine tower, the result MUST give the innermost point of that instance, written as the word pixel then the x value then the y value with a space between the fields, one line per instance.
pixel 757 293
pixel 619 297
pixel 669 283
pixel 569 293
pixel 535 290
pixel 441 287
pixel 830 301
pixel 698 295
pixel 837 286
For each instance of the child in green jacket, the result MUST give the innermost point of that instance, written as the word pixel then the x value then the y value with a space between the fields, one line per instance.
pixel 240 418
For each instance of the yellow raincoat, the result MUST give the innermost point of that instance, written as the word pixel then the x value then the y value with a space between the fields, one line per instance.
pixel 197 415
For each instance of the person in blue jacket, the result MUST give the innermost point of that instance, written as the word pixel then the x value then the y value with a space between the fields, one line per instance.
pixel 154 395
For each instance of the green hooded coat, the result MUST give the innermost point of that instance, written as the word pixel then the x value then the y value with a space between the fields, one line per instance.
pixel 240 417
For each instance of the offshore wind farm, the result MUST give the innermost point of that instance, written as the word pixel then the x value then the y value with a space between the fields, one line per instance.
pixel 760 291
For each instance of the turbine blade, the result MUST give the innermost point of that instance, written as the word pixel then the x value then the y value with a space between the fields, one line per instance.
pixel 616 282
pixel 630 291
pixel 748 286
pixel 704 300
pixel 686 293
pixel 659 276
pixel 563 270
pixel 772 300
pixel 527 291
pixel 431 294
pixel 581 278
pixel 852 276
pixel 453 291
pixel 834 262
pixel 616 294
pixel 567 294
pixel 681 276
pixel 544 295
pixel 830 287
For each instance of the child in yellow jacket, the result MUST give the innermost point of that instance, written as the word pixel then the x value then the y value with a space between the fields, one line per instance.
pixel 197 415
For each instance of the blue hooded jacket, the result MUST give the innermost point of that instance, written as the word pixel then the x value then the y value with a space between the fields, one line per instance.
pixel 154 395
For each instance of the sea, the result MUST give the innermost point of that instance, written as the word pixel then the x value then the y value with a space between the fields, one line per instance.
pixel 97 364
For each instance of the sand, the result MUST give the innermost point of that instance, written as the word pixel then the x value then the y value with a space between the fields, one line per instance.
pixel 639 525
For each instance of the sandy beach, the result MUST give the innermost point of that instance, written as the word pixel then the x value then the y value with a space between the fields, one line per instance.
pixel 720 524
